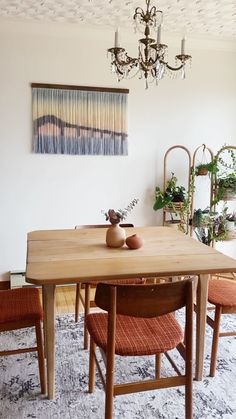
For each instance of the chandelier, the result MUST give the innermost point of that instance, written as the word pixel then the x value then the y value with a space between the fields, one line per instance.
pixel 151 63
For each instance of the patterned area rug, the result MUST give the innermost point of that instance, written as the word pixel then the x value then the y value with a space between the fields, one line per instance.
pixel 20 393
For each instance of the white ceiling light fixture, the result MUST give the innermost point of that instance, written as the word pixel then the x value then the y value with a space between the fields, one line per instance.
pixel 151 63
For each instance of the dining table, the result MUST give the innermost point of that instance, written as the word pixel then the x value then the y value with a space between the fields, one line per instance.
pixel 59 257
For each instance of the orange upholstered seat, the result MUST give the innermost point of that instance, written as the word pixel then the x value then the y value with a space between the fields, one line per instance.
pixel 222 292
pixel 20 308
pixel 20 304
pixel 137 336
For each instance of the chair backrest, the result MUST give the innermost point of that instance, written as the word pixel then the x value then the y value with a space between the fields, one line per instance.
pixel 101 226
pixel 145 300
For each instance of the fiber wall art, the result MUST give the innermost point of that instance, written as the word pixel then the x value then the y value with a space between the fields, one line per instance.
pixel 79 120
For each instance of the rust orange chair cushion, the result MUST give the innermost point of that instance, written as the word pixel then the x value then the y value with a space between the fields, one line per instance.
pixel 137 336
pixel 222 292
pixel 20 304
pixel 125 281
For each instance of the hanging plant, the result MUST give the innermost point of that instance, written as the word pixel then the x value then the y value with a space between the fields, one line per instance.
pixel 206 168
pixel 232 154
pixel 225 188
pixel 202 170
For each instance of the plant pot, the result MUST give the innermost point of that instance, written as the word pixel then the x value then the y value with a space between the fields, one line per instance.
pixel 231 235
pixel 230 225
pixel 174 207
pixel 228 195
pixel 115 236
pixel 202 171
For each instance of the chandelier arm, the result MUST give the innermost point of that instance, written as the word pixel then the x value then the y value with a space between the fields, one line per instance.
pixel 173 68
pixel 138 12
pixel 128 61
pixel 155 11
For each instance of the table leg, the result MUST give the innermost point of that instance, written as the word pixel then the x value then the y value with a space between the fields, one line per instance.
pixel 44 323
pixel 202 292
pixel 49 313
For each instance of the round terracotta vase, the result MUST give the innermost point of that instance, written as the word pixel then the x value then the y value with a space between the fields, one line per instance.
pixel 115 236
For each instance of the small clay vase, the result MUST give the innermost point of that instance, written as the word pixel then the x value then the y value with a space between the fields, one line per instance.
pixel 115 236
pixel 134 241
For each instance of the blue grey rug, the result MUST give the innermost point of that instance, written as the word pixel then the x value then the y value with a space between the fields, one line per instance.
pixel 20 392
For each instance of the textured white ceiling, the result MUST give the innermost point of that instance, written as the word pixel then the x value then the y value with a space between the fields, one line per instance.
pixel 195 17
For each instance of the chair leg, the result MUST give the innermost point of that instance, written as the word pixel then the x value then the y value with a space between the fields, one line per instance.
pixel 40 350
pixel 86 312
pixel 215 340
pixel 158 366
pixel 77 301
pixel 109 387
pixel 92 366
pixel 189 388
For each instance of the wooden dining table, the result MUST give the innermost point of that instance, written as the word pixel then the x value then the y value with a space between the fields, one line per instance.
pixel 58 257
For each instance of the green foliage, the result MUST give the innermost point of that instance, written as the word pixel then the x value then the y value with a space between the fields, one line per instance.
pixel 116 216
pixel 209 225
pixel 231 216
pixel 173 193
pixel 211 167
pixel 224 184
pixel 232 154
pixel 162 199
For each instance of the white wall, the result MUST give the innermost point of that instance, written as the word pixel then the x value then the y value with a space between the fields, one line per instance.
pixel 45 191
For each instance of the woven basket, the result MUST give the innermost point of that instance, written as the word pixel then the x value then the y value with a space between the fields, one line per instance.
pixel 174 207
pixel 202 171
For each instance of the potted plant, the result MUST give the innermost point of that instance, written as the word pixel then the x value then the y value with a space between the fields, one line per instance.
pixel 201 170
pixel 176 201
pixel 172 198
pixel 231 224
pixel 225 188
pixel 225 178
pixel 206 168
pixel 209 225
pixel 202 218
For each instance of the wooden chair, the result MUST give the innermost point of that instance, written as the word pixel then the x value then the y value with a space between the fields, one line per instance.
pixel 222 294
pixel 20 308
pixel 87 301
pixel 140 322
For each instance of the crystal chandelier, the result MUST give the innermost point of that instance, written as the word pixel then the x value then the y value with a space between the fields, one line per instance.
pixel 151 62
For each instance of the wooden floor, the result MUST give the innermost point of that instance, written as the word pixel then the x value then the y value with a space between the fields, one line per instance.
pixel 65 299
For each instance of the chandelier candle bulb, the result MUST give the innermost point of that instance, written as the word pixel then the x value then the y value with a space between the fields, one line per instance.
pixel 117 38
pixel 183 45
pixel 159 35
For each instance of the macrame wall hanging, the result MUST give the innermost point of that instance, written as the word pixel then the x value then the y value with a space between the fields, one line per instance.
pixel 79 120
